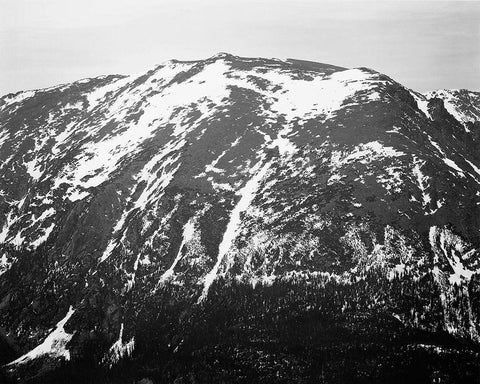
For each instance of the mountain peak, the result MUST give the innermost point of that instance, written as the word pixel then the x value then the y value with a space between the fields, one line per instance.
pixel 182 211
pixel 222 55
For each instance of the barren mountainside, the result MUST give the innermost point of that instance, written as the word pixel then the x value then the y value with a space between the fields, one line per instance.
pixel 240 220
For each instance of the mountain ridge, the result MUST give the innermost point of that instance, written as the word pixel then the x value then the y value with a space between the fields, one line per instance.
pixel 221 55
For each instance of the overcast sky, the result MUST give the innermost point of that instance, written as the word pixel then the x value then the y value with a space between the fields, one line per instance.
pixel 424 45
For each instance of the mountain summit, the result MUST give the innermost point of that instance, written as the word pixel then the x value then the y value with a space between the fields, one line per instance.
pixel 240 220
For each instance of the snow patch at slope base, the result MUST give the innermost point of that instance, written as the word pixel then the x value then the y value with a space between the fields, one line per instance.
pixel 54 345
pixel 118 350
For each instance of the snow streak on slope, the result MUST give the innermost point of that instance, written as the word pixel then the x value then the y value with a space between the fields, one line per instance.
pixel 422 103
pixel 247 195
pixel 475 168
pixel 188 232
pixel 155 177
pixel 422 181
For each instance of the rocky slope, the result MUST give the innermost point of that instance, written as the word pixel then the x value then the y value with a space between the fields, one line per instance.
pixel 238 220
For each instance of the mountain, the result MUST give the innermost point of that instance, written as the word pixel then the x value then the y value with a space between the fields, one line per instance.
pixel 238 220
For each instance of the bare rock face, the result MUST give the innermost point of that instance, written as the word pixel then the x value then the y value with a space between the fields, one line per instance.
pixel 240 220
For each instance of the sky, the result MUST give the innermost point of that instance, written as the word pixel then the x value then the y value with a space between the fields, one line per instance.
pixel 425 45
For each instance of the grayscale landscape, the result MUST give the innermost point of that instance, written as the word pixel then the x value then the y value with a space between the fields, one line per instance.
pixel 238 219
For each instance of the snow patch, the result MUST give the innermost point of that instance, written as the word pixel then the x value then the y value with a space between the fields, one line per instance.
pixel 422 103
pixel 43 237
pixel 454 166
pixel 33 169
pixel 285 146
pixel 475 168
pixel 54 345
pixel 5 264
pixel 363 153
pixel 19 97
pixel 119 350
